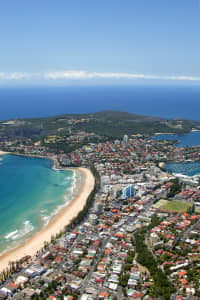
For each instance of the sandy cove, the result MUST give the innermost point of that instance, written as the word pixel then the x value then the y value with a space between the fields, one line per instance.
pixel 63 218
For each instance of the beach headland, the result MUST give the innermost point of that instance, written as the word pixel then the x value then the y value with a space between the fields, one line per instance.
pixel 55 226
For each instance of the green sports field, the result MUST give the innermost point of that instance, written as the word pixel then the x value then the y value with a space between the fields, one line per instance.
pixel 176 206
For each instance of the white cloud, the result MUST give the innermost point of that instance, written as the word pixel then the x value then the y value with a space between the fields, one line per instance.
pixel 68 75
pixel 96 75
pixel 189 78
pixel 17 76
pixel 84 75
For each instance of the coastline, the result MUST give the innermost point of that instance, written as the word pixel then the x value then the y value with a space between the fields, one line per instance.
pixel 162 133
pixel 54 159
pixel 179 174
pixel 3 152
pixel 63 218
pixel 195 130
pixel 171 133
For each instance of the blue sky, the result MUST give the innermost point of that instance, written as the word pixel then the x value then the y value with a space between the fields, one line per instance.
pixel 105 41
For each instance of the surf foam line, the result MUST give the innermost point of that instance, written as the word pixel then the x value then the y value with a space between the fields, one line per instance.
pixel 19 233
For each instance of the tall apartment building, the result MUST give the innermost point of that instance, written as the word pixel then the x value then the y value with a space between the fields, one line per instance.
pixel 128 192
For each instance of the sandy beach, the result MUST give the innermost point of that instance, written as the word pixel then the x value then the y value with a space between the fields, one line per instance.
pixel 3 152
pixel 31 246
pixel 163 133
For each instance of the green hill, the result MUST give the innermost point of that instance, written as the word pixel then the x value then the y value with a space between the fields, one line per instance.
pixel 103 123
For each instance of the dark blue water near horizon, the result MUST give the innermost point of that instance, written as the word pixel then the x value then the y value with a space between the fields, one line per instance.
pixel 162 101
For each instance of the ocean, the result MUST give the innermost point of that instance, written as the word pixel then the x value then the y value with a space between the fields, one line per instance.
pixel 31 193
pixel 162 101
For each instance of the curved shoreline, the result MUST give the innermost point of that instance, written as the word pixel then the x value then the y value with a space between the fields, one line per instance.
pixel 57 224
pixel 174 173
pixel 54 159
pixel 3 152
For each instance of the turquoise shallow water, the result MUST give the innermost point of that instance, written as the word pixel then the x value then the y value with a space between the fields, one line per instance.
pixel 184 140
pixel 31 192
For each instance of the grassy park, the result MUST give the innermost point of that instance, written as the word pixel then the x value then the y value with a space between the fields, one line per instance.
pixel 174 206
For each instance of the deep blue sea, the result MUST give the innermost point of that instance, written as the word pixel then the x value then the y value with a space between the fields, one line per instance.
pixel 31 193
pixel 163 101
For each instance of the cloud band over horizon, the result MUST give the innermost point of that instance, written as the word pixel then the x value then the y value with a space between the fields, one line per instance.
pixel 84 75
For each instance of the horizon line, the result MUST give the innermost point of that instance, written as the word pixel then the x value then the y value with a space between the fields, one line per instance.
pixel 74 75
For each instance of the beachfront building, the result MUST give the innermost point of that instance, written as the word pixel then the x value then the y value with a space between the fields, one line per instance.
pixel 62 243
pixel 128 192
pixel 125 139
pixel 93 219
pixel 99 208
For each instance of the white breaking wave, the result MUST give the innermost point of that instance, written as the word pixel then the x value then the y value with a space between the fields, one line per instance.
pixel 55 169
pixel 71 190
pixel 65 181
pixel 43 211
pixel 181 175
pixel 73 184
pixel 8 236
pixel 46 219
pixel 17 234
